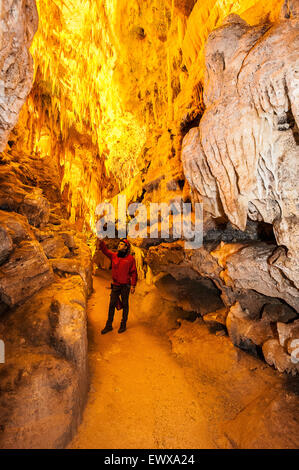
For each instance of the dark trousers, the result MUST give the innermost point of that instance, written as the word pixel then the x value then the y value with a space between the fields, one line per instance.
pixel 123 291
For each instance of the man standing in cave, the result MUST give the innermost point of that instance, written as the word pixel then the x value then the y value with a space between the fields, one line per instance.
pixel 124 279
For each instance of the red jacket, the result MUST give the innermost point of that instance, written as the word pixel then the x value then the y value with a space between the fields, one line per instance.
pixel 123 269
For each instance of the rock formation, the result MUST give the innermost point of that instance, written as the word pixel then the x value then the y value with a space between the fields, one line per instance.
pixel 45 280
pixel 152 117
pixel 242 159
pixel 242 162
pixel 18 24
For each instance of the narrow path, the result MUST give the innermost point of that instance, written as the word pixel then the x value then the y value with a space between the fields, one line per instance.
pixel 139 396
pixel 158 386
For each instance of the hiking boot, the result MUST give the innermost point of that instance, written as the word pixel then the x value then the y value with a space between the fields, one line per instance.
pixel 122 327
pixel 106 329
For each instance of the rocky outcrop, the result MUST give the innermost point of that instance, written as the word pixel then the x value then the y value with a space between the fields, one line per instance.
pixel 237 88
pixel 26 271
pixel 261 304
pixel 18 24
pixel 242 159
pixel 45 280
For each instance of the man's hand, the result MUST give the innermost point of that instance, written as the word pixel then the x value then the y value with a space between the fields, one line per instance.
pixel 132 289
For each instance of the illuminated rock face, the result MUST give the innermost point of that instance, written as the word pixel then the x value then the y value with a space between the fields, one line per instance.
pixel 117 86
pixel 18 24
pixel 42 314
pixel 261 302
pixel 242 161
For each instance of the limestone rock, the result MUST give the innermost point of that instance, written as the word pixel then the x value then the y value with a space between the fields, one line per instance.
pixel 18 24
pixel 54 247
pixel 275 355
pixel 54 219
pixel 11 196
pixel 38 402
pixel 198 296
pixel 288 332
pixel 253 303
pixel 216 319
pixel 42 235
pixel 44 382
pixel 101 261
pixel 246 333
pixel 262 409
pixel 242 161
pixel 68 239
pixel 75 266
pixel 278 313
pixel 249 268
pixel 163 256
pixel 293 348
pixel 36 208
pixel 16 225
pixel 6 244
pixel 67 317
pixel 26 271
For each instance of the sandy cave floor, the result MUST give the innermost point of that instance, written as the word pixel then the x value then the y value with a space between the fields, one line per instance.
pixel 187 389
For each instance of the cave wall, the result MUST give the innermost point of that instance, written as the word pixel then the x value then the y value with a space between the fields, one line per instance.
pixel 242 159
pixel 18 24
pixel 45 268
pixel 45 281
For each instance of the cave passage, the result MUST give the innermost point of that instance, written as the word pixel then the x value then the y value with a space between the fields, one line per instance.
pixel 139 396
pixel 189 105
pixel 170 382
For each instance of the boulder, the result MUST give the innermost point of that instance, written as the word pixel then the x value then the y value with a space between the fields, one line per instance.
pixel 6 245
pixel 216 320
pixel 36 208
pixel 249 268
pixel 246 333
pixel 16 225
pixel 287 332
pixel 54 247
pixel 26 272
pixel 44 381
pixel 276 356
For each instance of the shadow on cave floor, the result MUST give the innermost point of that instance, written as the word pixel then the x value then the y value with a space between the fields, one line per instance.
pixel 170 383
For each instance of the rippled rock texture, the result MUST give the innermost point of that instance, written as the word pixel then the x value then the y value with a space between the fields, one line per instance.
pixel 242 160
pixel 242 163
pixel 18 24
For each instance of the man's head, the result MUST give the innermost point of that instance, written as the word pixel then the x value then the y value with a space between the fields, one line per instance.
pixel 123 246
